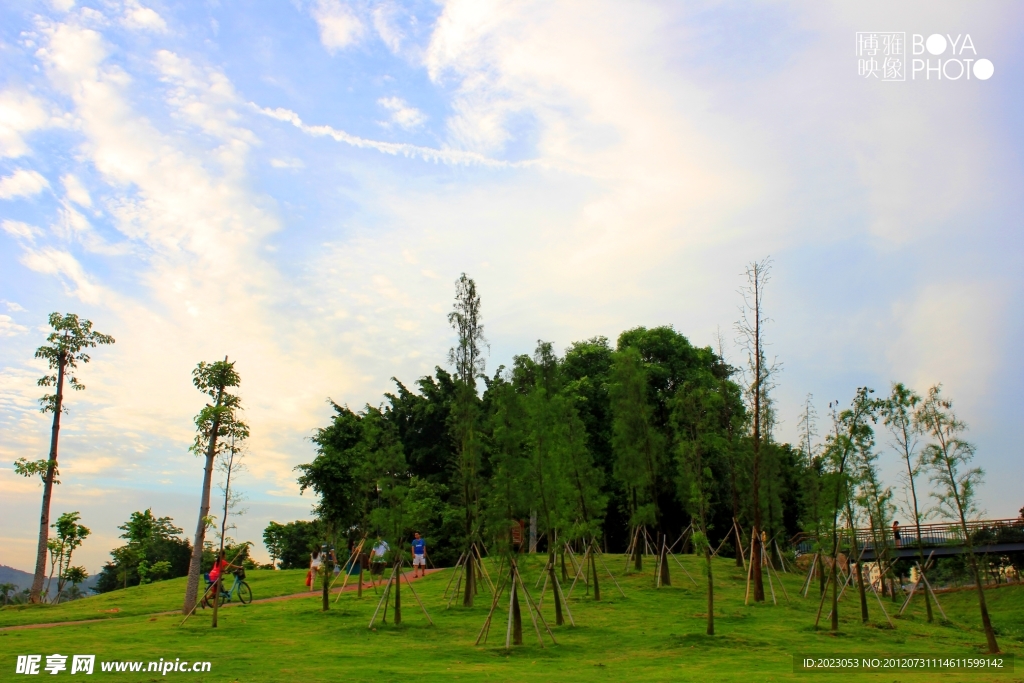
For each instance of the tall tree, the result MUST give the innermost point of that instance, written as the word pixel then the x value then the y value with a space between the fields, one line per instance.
pixel 216 424
pixel 851 429
pixel 734 418
pixel 949 459
pixel 467 358
pixel 751 329
pixel 63 351
pixel 898 417
pixel 638 445
pixel 701 410
pixel 811 484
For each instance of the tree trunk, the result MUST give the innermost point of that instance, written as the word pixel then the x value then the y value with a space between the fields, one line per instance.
pixel 755 553
pixel 833 575
pixel 328 575
pixel 593 571
pixel 517 616
pixel 533 531
pixel 711 592
pixel 196 562
pixel 35 594
pixel 470 587
pixel 559 620
pixel 860 576
pixel 736 513
pixel 216 599
pixel 666 578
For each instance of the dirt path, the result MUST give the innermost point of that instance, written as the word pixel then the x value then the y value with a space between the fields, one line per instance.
pixel 304 594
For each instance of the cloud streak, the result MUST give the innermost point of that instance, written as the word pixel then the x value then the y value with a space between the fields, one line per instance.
pixel 447 156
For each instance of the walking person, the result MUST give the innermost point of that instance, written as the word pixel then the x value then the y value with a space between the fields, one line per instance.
pixel 419 555
pixel 314 567
pixel 896 532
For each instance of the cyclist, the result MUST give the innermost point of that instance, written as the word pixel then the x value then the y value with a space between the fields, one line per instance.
pixel 219 566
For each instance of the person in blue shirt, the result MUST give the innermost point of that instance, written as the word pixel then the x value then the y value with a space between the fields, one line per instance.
pixel 419 555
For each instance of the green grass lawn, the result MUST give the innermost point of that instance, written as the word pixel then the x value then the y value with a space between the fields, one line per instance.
pixel 650 635
pixel 163 596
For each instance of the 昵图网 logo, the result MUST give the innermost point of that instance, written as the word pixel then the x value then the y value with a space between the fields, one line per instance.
pixel 887 56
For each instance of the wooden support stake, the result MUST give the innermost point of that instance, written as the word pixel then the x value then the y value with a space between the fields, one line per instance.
pixel 458 564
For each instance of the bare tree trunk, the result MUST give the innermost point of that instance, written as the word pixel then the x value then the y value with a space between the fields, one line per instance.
pixel 517 615
pixel 196 562
pixel 666 578
pixel 593 570
pixel 711 592
pixel 856 558
pixel 533 531
pixel 559 620
pixel 35 593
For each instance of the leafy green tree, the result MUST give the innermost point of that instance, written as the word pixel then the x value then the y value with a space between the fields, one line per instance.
pixel 586 367
pixel 290 544
pixel 151 540
pixel 64 350
pixel 216 425
pixel 507 499
pixel 701 409
pixel 69 536
pixel 467 358
pixel 851 435
pixel 639 447
pixel 341 498
pixel 7 591
pixel 584 512
pixel 898 416
pixel 543 442
pixel 949 458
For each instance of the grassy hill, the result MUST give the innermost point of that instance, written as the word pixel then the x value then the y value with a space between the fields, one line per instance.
pixel 650 635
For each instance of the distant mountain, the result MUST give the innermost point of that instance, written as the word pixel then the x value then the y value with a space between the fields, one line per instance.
pixel 19 578
pixel 23 580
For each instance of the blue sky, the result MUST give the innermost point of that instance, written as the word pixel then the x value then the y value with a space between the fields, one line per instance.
pixel 298 185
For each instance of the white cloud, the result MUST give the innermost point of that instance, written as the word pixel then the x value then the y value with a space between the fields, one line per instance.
pixel 339 26
pixel 52 261
pixel 75 191
pixel 402 114
pixel 287 163
pixel 386 27
pixel 142 18
pixel 205 98
pixel 62 5
pixel 940 334
pixel 20 230
pixel 19 114
pixel 22 183
pixel 13 306
pixel 9 328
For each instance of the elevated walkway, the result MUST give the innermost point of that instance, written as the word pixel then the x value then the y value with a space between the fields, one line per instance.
pixel 989 537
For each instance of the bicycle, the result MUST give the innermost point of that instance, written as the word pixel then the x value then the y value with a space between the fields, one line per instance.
pixel 239 589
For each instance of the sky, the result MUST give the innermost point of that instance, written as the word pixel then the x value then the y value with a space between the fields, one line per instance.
pixel 297 185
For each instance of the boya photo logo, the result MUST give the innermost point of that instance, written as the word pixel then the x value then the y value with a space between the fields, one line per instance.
pixel 883 55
